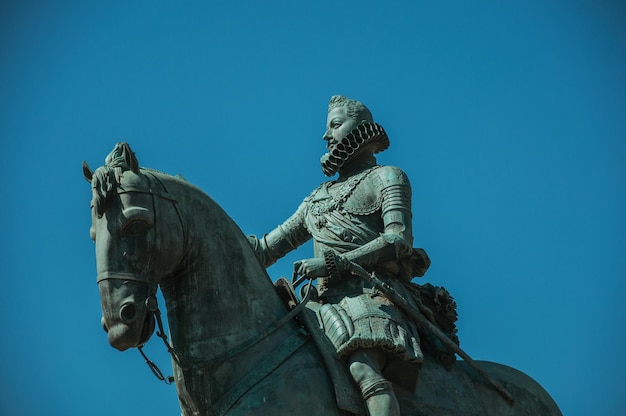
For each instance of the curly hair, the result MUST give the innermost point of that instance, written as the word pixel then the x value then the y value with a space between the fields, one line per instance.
pixel 355 109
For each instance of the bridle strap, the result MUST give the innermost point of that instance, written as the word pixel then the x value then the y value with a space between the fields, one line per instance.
pixel 151 364
pixel 124 189
pixel 120 276
pixel 256 338
pixel 155 368
pixel 228 354
pixel 162 193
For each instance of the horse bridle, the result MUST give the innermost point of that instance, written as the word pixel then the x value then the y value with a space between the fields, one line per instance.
pixel 153 312
pixel 153 308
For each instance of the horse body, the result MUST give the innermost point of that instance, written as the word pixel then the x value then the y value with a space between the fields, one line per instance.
pixel 231 357
pixel 217 299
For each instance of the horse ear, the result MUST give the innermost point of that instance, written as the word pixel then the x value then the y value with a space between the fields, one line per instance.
pixel 87 172
pixel 134 163
pixel 130 157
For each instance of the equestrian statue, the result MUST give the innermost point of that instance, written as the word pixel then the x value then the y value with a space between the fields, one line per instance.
pixel 359 339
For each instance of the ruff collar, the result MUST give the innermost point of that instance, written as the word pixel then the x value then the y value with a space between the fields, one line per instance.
pixel 370 136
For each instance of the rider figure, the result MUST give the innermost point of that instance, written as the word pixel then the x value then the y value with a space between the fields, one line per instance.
pixel 363 216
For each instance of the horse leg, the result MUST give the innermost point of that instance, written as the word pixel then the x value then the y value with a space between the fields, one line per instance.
pixel 366 369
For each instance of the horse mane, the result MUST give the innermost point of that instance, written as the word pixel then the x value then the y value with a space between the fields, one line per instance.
pixel 108 177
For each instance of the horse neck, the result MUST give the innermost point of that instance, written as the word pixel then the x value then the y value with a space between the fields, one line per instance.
pixel 221 295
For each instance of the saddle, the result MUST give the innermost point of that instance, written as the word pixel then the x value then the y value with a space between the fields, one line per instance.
pixel 347 394
pixel 434 302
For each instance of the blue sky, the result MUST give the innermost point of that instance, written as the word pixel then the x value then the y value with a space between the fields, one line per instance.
pixel 508 117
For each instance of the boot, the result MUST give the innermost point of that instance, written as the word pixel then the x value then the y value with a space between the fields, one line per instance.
pixel 380 397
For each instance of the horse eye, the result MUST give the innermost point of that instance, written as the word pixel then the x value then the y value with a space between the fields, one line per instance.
pixel 136 227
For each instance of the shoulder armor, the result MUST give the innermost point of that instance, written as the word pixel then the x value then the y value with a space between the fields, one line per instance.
pixel 366 197
pixel 391 175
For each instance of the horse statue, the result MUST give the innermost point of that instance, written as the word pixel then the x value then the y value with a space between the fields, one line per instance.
pixel 235 348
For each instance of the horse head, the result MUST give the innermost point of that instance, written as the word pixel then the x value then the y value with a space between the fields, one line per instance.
pixel 128 205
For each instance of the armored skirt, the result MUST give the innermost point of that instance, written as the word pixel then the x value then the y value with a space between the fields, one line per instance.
pixel 369 320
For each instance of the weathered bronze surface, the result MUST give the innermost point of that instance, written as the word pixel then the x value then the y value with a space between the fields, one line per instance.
pixel 235 349
pixel 364 217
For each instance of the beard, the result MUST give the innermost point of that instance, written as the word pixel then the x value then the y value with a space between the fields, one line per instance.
pixel 366 137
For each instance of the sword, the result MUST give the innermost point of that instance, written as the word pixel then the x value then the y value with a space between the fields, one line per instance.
pixel 424 323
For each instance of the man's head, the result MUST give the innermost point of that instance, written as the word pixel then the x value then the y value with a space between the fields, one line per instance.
pixel 355 109
pixel 344 114
pixel 345 142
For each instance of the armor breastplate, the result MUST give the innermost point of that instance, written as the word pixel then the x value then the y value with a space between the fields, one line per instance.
pixel 358 195
pixel 366 197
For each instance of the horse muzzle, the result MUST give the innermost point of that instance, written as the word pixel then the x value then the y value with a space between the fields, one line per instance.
pixel 123 336
pixel 127 321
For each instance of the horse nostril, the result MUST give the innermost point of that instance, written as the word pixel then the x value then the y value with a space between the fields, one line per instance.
pixel 128 312
pixel 104 325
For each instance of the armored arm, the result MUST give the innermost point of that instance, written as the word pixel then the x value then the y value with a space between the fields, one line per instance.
pixel 396 239
pixel 281 240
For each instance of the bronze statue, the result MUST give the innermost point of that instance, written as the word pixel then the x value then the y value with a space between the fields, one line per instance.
pixel 365 217
pixel 236 349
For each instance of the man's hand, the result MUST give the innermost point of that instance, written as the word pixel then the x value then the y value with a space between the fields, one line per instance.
pixel 311 268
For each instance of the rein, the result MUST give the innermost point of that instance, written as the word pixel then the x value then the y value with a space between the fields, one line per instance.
pixel 227 354
pixel 151 364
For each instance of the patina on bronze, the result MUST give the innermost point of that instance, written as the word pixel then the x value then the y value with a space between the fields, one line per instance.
pixel 365 217
pixel 238 350
pixel 416 315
